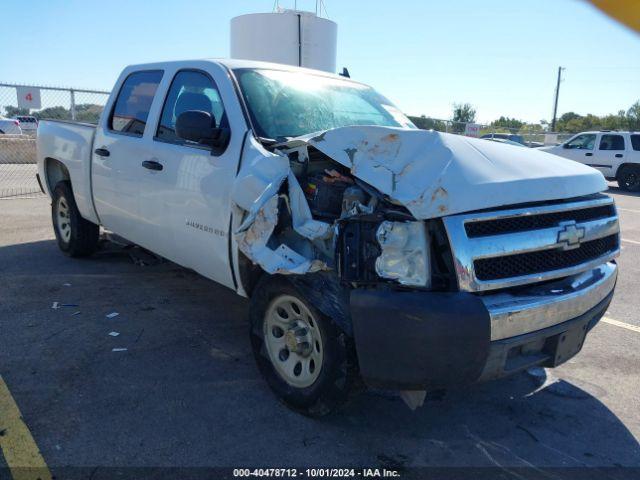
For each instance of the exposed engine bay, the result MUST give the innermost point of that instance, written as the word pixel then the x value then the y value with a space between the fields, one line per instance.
pixel 323 218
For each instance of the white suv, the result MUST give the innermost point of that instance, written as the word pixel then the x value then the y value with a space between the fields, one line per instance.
pixel 615 154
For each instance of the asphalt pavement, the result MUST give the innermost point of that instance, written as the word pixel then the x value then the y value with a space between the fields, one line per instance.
pixel 170 381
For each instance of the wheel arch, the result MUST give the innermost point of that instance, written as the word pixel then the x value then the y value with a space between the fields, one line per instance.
pixel 626 164
pixel 249 274
pixel 55 172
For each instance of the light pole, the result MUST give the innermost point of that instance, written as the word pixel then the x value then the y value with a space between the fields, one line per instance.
pixel 555 102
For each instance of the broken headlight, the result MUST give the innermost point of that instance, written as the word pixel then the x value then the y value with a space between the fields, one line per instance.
pixel 405 253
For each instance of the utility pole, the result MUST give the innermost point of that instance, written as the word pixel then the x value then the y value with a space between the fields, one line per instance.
pixel 555 102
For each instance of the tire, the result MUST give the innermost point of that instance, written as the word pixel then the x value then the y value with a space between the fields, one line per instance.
pixel 76 236
pixel 325 354
pixel 629 178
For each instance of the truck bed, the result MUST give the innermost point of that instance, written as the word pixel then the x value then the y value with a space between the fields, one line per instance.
pixel 71 144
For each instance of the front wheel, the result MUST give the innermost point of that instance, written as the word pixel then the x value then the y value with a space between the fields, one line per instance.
pixel 307 360
pixel 629 178
pixel 76 236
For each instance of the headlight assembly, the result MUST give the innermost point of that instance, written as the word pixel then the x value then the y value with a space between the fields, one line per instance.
pixel 405 253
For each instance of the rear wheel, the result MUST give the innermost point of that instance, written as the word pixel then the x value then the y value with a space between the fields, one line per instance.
pixel 629 178
pixel 307 360
pixel 76 236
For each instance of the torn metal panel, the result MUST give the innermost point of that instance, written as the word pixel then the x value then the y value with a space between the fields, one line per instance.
pixel 435 174
pixel 253 242
pixel 303 221
pixel 413 398
pixel 255 191
pixel 258 181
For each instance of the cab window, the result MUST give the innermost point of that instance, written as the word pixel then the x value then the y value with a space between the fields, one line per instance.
pixel 635 142
pixel 582 142
pixel 133 103
pixel 612 142
pixel 190 90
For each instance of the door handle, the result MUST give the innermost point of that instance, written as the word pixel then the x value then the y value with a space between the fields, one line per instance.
pixel 103 152
pixel 152 165
pixel 588 154
pixel 619 155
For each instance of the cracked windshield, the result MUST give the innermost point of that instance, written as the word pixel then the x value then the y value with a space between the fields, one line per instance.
pixel 285 104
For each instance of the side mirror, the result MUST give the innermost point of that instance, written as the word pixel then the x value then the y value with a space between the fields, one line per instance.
pixel 566 145
pixel 198 126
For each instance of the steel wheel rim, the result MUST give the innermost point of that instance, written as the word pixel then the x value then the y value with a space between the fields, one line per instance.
pixel 63 219
pixel 293 341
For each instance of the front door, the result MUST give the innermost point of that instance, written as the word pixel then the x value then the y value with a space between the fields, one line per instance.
pixel 580 148
pixel 187 201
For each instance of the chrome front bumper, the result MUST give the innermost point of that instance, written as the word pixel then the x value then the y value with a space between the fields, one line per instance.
pixel 528 309
pixel 417 340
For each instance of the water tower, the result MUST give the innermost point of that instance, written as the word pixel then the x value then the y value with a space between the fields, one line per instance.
pixel 291 37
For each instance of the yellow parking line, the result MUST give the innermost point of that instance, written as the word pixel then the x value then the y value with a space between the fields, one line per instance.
pixel 18 447
pixel 617 323
pixel 635 242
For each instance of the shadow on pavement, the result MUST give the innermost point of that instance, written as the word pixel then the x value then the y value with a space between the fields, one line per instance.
pixel 186 393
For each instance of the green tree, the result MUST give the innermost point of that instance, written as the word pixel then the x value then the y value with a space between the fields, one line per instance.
pixel 88 112
pixel 633 117
pixel 615 122
pixel 462 113
pixel 11 111
pixel 507 123
pixel 56 113
pixel 426 123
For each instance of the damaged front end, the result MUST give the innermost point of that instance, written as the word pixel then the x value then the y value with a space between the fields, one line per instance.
pixel 344 200
pixel 356 217
pixel 305 215
pixel 304 212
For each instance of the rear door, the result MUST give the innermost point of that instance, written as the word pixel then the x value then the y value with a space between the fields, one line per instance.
pixel 119 148
pixel 187 202
pixel 611 152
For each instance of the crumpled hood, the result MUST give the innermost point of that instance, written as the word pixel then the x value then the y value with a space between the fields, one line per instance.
pixel 436 174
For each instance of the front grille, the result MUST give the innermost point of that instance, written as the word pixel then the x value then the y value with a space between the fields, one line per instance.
pixel 543 260
pixel 525 223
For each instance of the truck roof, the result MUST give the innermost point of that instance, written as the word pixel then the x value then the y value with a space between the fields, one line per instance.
pixel 235 64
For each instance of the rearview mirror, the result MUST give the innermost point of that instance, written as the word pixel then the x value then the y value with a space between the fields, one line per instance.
pixel 200 127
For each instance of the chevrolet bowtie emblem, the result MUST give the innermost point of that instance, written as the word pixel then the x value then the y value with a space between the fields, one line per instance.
pixel 570 236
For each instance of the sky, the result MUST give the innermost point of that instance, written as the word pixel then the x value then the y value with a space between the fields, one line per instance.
pixel 501 56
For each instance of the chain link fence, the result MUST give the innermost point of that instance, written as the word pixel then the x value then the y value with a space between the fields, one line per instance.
pixel 21 107
pixel 29 104
pixel 528 135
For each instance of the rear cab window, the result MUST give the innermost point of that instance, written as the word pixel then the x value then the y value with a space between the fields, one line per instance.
pixel 611 142
pixel 131 109
pixel 635 142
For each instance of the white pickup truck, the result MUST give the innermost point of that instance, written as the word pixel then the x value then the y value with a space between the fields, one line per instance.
pixel 374 253
pixel 615 154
